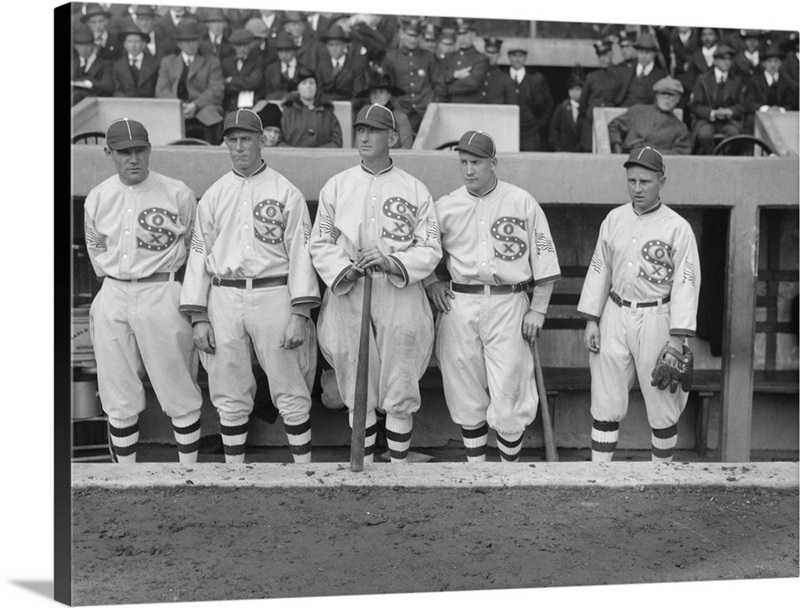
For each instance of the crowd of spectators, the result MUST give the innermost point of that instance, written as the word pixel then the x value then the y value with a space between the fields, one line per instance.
pixel 290 66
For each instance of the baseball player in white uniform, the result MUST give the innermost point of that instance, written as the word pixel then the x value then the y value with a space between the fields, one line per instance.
pixel 377 218
pixel 249 281
pixel 641 292
pixel 138 224
pixel 498 246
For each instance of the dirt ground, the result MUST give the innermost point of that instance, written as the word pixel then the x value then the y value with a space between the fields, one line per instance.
pixel 202 543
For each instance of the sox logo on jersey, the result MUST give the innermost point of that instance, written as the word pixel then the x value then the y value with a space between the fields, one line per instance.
pixel 658 255
pixel 403 215
pixel 152 220
pixel 269 215
pixel 505 229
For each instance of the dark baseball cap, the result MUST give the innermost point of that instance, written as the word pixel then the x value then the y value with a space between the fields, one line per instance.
pixel 124 133
pixel 646 157
pixel 478 143
pixel 244 119
pixel 376 116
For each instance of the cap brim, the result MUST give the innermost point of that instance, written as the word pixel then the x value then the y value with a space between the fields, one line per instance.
pixel 372 123
pixel 129 143
pixel 251 128
pixel 650 166
pixel 473 150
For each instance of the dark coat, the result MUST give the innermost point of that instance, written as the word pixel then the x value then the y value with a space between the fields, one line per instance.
pixel 535 106
pixel 564 134
pixel 305 128
pixel 250 78
pixel 126 86
pixel 276 86
pixel 498 88
pixel 417 73
pixel 204 83
pixel 464 90
pixel 100 74
pixel 632 90
pixel 645 124
pixel 347 83
pixel 781 94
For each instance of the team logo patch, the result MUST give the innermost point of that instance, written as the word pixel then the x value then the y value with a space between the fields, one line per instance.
pixel 658 268
pixel 155 221
pixel 508 231
pixel 402 217
pixel 268 223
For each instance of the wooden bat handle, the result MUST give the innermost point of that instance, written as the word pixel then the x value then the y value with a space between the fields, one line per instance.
pixel 358 434
pixel 550 451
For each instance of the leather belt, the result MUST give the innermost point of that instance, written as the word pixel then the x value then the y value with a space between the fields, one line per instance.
pixel 252 283
pixel 157 277
pixel 620 302
pixel 489 289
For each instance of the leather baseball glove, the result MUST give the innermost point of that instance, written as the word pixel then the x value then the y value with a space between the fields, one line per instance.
pixel 673 375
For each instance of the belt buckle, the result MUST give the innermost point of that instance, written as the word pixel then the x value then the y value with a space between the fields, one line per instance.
pixel 215 281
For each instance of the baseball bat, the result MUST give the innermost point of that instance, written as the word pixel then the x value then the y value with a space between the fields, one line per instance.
pixel 358 434
pixel 551 454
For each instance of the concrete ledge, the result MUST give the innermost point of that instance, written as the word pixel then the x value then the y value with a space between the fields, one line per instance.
pixel 637 475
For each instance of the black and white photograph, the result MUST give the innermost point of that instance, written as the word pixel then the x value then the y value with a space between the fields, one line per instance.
pixel 357 304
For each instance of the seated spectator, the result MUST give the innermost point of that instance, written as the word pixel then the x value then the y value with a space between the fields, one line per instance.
pixel 136 73
pixel 92 76
pixel 158 45
pixel 768 90
pixel 625 41
pixel 262 37
pixel 379 89
pixel 309 50
pixel 197 81
pixel 281 77
pixel 446 44
pixel 654 124
pixel 718 104
pixel 599 91
pixel 702 60
pixel 747 61
pixel 98 18
pixel 215 40
pixel 636 82
pixel 341 73
pixel 243 73
pixel 308 120
pixel 167 23
pixel 789 66
pixel 270 117
pixel 565 132
pixel 497 88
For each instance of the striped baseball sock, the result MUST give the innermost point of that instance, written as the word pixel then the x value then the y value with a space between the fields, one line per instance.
pixel 663 442
pixel 234 438
pixel 398 437
pixel 604 440
pixel 124 436
pixel 299 436
pixel 369 436
pixel 475 437
pixel 509 446
pixel 187 436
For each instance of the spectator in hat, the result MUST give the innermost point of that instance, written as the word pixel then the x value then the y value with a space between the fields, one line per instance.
pixel 308 120
pixel 636 82
pixel 309 50
pixel 565 131
pixel 625 41
pixel 215 40
pixel 747 61
pixel 136 72
pixel 718 105
pixel 654 124
pixel 702 60
pixel 243 73
pixel 341 73
pixel 416 72
pixel 379 89
pixel 271 22
pixel 429 37
pixel 683 41
pixel 158 45
pixel 464 70
pixel 498 88
pixel 599 91
pixel 768 91
pixel 92 76
pixel 534 100
pixel 446 44
pixel 280 77
pixel 270 117
pixel 98 19
pixel 369 38
pixel 167 23
pixel 318 25
pixel 263 43
pixel 789 65
pixel 197 81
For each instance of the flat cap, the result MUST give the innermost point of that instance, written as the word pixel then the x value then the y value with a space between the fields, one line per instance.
pixel 723 50
pixel 668 85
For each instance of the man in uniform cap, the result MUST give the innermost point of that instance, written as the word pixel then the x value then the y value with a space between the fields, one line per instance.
pixel 718 104
pixel 376 218
pixel 243 73
pixel 446 44
pixel 136 72
pixel 625 41
pixel 534 100
pixel 654 124
pixel 497 87
pixel 91 74
pixel 464 70
pixel 249 280
pixel 138 226
pixel 196 80
pixel 748 60
pixel 499 248
pixel 640 293
pixel 429 37
pixel 636 82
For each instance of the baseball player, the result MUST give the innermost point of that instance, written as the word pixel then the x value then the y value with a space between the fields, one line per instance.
pixel 249 280
pixel 498 246
pixel 138 224
pixel 377 218
pixel 640 294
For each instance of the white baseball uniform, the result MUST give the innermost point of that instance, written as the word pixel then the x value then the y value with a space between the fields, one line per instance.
pixel 250 229
pixel 643 259
pixel 393 210
pixel 137 237
pixel 500 238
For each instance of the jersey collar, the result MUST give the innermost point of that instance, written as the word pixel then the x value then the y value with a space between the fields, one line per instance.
pixel 371 172
pixel 261 169
pixel 652 209
pixel 488 192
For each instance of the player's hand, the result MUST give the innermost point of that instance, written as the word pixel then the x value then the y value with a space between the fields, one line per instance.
pixel 203 336
pixel 354 273
pixel 591 337
pixel 373 258
pixel 295 333
pixel 438 293
pixel 462 73
pixel 532 324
